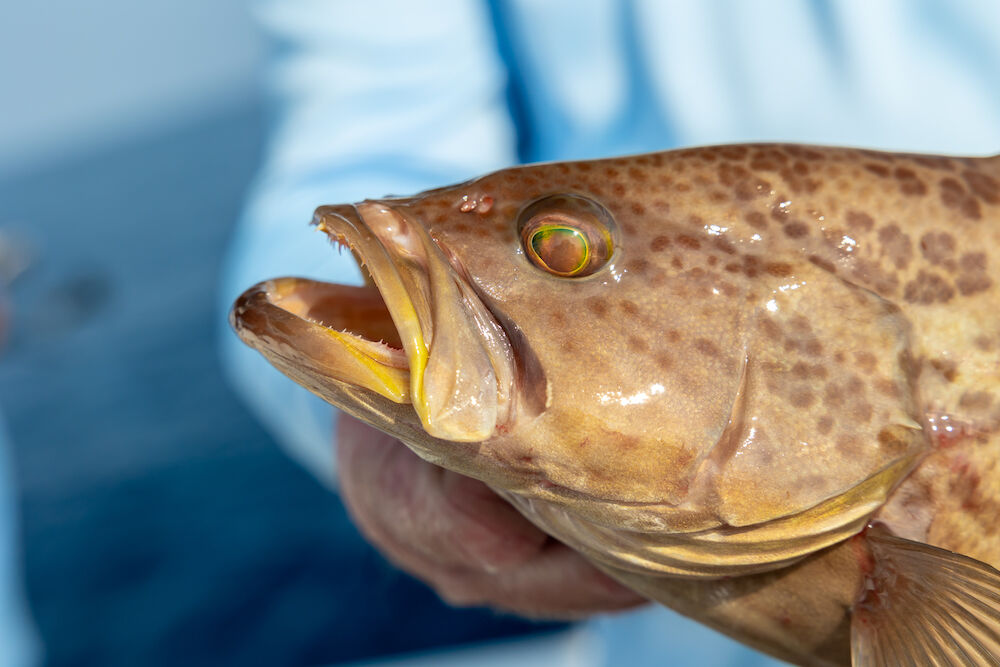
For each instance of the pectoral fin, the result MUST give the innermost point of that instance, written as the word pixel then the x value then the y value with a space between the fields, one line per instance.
pixel 925 606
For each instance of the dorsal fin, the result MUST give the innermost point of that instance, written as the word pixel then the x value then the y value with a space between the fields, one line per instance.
pixel 925 606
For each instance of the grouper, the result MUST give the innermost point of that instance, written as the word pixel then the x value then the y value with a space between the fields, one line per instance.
pixel 759 384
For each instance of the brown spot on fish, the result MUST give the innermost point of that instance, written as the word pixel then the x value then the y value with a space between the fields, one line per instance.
pixel 778 269
pixel 629 307
pixel 724 245
pixel 795 229
pixel 638 266
pixel 800 370
pixel 976 400
pixel 983 186
pixel 802 399
pixel 860 221
pixel 896 245
pixel 833 395
pixel 673 335
pixel 597 306
pixel 660 243
pixel 861 412
pixel 928 287
pixel 953 195
pixel 873 276
pixel 937 247
pixel 812 347
pixel 734 152
pixel 688 242
pixel 973 277
pixel 890 442
pixel 769 328
pixel 935 162
pixel 946 367
pixel 663 361
pixel 637 344
pixel 865 360
pixel 768 158
pixel 637 208
pixel 971 284
pixel 636 174
pixel 879 170
pixel 824 424
pixel 707 347
pixel 909 184
pixel 800 324
pixel 970 209
pixel 887 387
pixel 756 219
pixel 730 175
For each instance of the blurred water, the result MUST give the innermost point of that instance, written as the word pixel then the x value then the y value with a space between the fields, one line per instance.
pixel 161 524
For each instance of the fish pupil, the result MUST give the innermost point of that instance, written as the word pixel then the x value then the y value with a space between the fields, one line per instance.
pixel 562 250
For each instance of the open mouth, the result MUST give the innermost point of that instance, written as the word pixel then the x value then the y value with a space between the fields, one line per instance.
pixel 416 333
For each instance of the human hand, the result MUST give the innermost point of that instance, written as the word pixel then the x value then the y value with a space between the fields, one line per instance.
pixel 460 537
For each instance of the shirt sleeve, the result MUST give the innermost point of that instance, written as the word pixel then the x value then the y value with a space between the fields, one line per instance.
pixel 371 98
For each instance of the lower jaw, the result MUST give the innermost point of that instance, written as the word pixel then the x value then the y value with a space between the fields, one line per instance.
pixel 349 332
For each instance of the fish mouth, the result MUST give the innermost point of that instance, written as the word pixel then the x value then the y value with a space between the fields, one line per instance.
pixel 416 334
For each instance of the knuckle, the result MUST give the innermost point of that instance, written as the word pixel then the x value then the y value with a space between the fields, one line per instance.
pixel 460 594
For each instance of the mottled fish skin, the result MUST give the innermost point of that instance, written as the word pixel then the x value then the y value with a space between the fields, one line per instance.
pixel 781 325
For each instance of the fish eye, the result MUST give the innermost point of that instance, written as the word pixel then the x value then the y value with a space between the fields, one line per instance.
pixel 567 235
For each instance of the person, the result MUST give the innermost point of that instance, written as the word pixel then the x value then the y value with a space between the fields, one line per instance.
pixel 391 97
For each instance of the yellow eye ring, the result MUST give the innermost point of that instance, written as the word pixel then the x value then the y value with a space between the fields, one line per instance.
pixel 568 236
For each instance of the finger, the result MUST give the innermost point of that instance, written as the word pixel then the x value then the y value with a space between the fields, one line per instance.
pixel 414 509
pixel 426 519
pixel 558 584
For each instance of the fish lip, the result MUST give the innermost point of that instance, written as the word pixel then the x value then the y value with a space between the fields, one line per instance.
pixel 431 299
pixel 470 383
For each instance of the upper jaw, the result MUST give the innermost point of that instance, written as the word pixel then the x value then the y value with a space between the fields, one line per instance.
pixel 456 366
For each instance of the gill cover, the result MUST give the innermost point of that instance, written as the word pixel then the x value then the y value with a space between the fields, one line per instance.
pixel 814 444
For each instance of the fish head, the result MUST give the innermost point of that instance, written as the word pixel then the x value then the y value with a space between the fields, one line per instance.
pixel 625 359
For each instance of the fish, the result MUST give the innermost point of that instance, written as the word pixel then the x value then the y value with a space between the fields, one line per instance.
pixel 756 383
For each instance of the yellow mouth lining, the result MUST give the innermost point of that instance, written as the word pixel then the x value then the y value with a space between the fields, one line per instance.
pixel 367 351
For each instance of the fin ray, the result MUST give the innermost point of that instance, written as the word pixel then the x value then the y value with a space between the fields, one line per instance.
pixel 925 606
pixel 969 640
